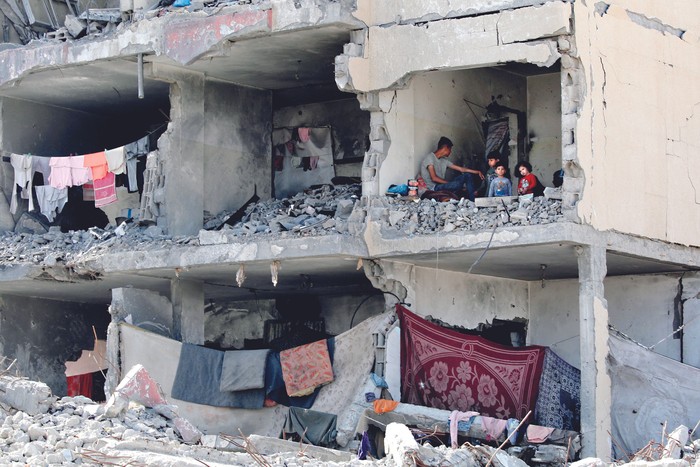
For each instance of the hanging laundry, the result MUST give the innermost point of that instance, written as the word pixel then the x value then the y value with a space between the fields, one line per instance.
pixel 97 162
pixel 105 190
pixel 68 171
pixel 311 426
pixel 198 379
pixel 133 151
pixel 89 192
pixel 51 200
pixel 243 369
pixel 303 134
pixel 306 367
pixel 23 178
pixel 116 161
pixel 41 165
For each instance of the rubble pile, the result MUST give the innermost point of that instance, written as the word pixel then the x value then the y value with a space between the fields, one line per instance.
pixel 409 217
pixel 319 211
pixel 54 246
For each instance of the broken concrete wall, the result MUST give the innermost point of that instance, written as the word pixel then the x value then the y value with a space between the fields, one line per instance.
pixel 182 145
pixel 393 53
pixel 349 123
pixel 640 119
pixel 237 145
pixel 434 105
pixel 458 298
pixel 544 125
pixel 643 307
pixel 402 11
pixel 337 311
pixel 43 334
pixel 228 325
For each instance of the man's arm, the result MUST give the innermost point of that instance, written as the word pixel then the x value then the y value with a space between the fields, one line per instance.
pixel 434 177
pixel 459 168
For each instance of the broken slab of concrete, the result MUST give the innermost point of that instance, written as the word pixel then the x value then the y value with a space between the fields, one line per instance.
pixel 266 446
pixel 32 397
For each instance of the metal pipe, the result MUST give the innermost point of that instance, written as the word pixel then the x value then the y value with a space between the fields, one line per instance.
pixel 140 75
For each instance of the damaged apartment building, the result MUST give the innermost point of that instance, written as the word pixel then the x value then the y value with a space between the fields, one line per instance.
pixel 260 138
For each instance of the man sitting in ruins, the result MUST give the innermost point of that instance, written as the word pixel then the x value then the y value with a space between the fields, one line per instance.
pixel 435 165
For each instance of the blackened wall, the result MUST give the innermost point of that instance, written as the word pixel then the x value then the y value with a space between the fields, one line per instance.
pixel 43 334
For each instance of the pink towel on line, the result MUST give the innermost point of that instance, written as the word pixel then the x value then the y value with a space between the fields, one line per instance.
pixel 105 190
pixel 304 135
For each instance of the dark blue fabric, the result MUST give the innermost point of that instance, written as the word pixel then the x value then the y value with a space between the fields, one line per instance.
pixel 559 400
pixel 274 382
pixel 364 448
pixel 457 184
pixel 198 378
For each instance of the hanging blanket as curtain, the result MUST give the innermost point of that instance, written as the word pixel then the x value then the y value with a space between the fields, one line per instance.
pixel 444 369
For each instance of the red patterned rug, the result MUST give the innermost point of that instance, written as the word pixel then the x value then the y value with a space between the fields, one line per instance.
pixel 444 369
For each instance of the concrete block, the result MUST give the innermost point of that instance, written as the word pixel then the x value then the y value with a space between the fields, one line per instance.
pixel 74 25
pixel 188 432
pixel 494 201
pixel 400 445
pixel 353 50
pixel 589 462
pixel 526 24
pixel 267 446
pixel 32 397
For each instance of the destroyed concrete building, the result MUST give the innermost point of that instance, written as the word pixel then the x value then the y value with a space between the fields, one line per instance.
pixel 605 91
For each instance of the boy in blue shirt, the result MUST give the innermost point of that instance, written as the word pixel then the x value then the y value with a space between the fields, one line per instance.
pixel 500 186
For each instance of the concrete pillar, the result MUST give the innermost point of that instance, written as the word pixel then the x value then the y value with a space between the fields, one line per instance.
pixel 596 388
pixel 188 310
pixel 182 149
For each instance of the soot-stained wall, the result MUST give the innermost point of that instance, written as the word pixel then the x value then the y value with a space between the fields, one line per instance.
pixel 43 334
pixel 349 123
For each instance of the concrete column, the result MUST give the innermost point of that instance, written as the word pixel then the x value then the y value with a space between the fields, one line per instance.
pixel 182 149
pixel 187 297
pixel 596 388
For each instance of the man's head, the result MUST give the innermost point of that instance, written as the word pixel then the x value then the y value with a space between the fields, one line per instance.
pixel 444 147
pixel 501 170
pixel 493 159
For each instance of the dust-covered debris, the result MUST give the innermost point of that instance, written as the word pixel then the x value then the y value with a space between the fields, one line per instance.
pixel 321 211
pixel 416 217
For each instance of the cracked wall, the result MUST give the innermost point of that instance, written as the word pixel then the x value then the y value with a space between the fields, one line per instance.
pixel 458 298
pixel 555 314
pixel 638 128
pixel 43 334
pixel 384 64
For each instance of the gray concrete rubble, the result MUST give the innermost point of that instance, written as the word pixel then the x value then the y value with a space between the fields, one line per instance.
pixel 320 211
pixel 54 246
pixel 408 217
pixel 78 431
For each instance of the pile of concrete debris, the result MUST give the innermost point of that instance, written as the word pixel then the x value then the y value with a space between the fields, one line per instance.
pixel 409 217
pixel 137 426
pixel 55 246
pixel 320 211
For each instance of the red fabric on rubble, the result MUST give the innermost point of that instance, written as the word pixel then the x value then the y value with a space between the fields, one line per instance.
pixel 444 369
pixel 79 385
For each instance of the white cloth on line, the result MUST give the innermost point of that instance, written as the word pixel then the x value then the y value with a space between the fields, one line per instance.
pixel 51 200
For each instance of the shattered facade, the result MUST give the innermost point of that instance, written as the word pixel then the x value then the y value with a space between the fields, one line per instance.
pixel 605 91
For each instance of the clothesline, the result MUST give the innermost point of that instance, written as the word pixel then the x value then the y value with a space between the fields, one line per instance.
pixel 95 172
